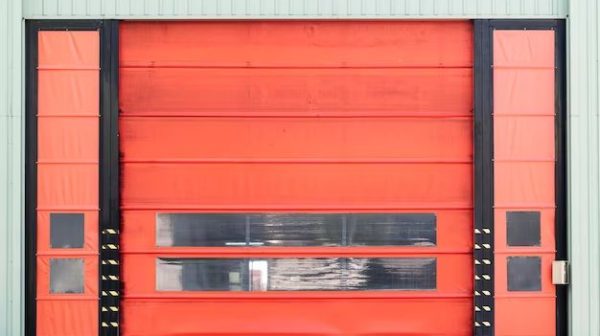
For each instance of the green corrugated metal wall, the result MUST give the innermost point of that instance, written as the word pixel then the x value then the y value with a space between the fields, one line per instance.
pixel 295 8
pixel 11 168
pixel 584 169
pixel 584 113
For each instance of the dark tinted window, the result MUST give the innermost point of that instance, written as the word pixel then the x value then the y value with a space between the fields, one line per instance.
pixel 66 276
pixel 66 230
pixel 392 229
pixel 524 274
pixel 391 273
pixel 201 274
pixel 296 229
pixel 189 229
pixel 296 274
pixel 523 228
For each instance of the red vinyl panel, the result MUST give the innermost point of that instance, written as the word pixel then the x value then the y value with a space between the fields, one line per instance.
pixel 275 139
pixel 297 186
pixel 297 44
pixel 287 317
pixel 337 117
pixel 524 168
pixel 67 182
pixel 295 92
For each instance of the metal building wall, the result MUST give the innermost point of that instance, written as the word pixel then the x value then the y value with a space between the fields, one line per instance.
pixel 11 168
pixel 583 132
pixel 295 8
pixel 583 169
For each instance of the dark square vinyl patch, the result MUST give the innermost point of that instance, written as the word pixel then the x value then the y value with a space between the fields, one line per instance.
pixel 66 230
pixel 524 274
pixel 523 228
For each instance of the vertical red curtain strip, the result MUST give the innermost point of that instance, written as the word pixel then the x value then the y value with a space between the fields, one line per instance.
pixel 524 168
pixel 68 133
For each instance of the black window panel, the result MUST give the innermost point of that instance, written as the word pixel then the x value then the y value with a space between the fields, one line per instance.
pixel 391 273
pixel 281 229
pixel 295 229
pixel 392 229
pixel 200 229
pixel 524 274
pixel 296 274
pixel 66 230
pixel 187 274
pixel 523 228
pixel 66 276
pixel 304 274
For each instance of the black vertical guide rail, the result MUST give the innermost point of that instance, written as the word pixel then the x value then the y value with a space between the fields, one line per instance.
pixel 31 107
pixel 110 271
pixel 483 238
pixel 562 312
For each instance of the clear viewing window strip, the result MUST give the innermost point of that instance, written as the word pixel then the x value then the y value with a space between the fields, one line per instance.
pixel 296 229
pixel 295 274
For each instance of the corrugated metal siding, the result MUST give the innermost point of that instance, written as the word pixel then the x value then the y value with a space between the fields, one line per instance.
pixel 139 9
pixel 584 168
pixel 11 169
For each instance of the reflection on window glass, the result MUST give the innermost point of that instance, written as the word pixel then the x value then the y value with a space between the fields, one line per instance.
pixel 296 274
pixel 259 275
pixel 189 229
pixel 524 274
pixel 201 274
pixel 295 229
pixel 66 230
pixel 66 276
pixel 306 274
pixel 391 273
pixel 392 229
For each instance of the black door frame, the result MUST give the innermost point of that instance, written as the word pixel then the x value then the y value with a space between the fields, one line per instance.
pixel 484 168
pixel 109 275
pixel 109 265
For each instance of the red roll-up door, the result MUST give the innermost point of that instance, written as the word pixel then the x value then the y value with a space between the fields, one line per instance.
pixel 296 178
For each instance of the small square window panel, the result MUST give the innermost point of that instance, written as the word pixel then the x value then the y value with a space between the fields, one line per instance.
pixel 524 274
pixel 523 228
pixel 66 230
pixel 66 276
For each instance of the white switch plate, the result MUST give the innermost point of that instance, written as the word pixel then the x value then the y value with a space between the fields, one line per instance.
pixel 560 272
